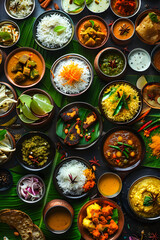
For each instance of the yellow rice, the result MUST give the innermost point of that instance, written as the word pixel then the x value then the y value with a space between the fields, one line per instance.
pixel 109 105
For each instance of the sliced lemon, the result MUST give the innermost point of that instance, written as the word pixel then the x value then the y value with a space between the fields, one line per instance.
pixel 141 82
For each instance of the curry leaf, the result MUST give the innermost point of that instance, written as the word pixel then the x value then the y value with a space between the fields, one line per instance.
pixel 59 29
pixel 148 201
pixel 89 2
pixel 5 36
pixel 92 22
pixel 78 2
pixel 153 17
pixel 2 134
pixel 115 215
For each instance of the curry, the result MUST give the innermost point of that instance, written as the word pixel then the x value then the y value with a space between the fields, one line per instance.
pixel 156 60
pixel 123 29
pixel 24 68
pixel 58 219
pixel 92 33
pixel 122 149
pixel 144 197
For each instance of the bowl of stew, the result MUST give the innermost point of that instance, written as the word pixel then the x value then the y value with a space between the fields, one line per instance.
pixel 123 148
pixel 110 63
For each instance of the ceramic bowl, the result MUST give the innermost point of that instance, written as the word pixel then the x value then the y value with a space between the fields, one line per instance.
pixel 43 121
pixel 132 166
pixel 155 50
pixel 92 17
pixel 15 25
pixel 93 6
pixel 97 63
pixel 82 214
pixel 55 181
pixel 13 145
pixel 152 89
pixel 18 188
pixel 149 219
pixel 67 57
pixel 72 12
pixel 54 205
pixel 6 7
pixel 13 104
pixel 99 119
pixel 5 172
pixel 140 17
pixel 138 6
pixel 27 83
pixel 138 111
pixel 19 151
pixel 49 13
pixel 118 40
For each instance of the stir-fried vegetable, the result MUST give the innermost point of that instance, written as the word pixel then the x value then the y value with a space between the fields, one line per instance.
pixel 8 34
pixel 6 99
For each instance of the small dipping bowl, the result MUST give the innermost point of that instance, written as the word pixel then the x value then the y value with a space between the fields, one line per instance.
pixel 116 31
pixel 20 182
pixel 155 58
pixel 98 8
pixel 70 9
pixel 139 59
pixel 58 216
pixel 6 179
pixel 109 185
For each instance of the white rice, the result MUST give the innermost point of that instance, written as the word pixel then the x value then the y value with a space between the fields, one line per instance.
pixel 77 86
pixel 75 168
pixel 46 34
pixel 24 7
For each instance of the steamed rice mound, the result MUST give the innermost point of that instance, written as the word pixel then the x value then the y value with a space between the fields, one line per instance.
pixel 109 105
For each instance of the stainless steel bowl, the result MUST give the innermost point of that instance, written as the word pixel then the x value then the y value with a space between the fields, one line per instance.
pixel 6 7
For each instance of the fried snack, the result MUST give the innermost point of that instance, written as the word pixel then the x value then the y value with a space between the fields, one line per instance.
pixel 73 137
pixel 37 234
pixel 90 119
pixel 70 114
pixel 19 220
pixel 149 30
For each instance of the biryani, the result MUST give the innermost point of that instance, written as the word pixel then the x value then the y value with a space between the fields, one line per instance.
pixel 54 30
pixel 20 8
pixel 72 75
pixel 120 102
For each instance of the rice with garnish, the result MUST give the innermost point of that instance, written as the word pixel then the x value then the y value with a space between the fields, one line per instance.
pixel 47 34
pixel 75 169
pixel 109 105
pixel 77 86
pixel 20 8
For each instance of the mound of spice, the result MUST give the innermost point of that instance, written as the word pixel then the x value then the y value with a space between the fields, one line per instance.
pixel 155 145
pixel 125 7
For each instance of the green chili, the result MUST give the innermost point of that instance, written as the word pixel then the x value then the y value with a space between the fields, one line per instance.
pixel 126 150
pixel 125 144
pixel 157 120
pixel 116 147
pixel 125 154
pixel 107 95
pixel 119 106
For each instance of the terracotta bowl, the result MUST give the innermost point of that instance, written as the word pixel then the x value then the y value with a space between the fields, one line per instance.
pixel 92 17
pixel 149 219
pixel 154 51
pixel 136 10
pixel 15 25
pixel 140 18
pixel 43 121
pixel 121 41
pixel 6 7
pixel 134 165
pixel 97 64
pixel 13 144
pixel 120 122
pixel 19 156
pixel 13 104
pixel 24 85
pixel 53 204
pixel 147 100
pixel 82 214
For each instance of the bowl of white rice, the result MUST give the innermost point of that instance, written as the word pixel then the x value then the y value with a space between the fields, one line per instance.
pixel 19 9
pixel 69 177
pixel 53 30
pixel 71 74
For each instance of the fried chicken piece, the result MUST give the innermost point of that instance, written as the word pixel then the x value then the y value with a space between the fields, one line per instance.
pixel 91 209
pixel 107 210
pixel 104 236
pixel 102 220
pixel 112 227
pixel 88 224
pixel 96 234
pixel 95 220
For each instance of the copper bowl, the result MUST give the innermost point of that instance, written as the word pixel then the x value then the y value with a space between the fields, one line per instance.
pixel 13 104
pixel 53 204
pixel 120 122
pixel 92 17
pixel 82 214
pixel 14 53
pixel 140 18
pixel 43 121
pixel 121 41
pixel 156 87
pixel 13 145
pixel 97 64
pixel 154 51
pixel 135 12
pixel 3 56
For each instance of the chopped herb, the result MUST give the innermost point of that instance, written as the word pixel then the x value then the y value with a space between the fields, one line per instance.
pixel 2 134
pixel 92 22
pixel 148 201
pixel 78 2
pixel 154 17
